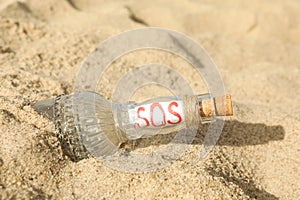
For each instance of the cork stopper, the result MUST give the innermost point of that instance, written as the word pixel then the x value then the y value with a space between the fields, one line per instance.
pixel 220 106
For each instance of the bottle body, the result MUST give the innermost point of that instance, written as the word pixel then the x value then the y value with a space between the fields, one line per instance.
pixel 86 123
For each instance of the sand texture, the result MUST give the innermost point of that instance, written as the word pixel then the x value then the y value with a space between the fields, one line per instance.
pixel 256 46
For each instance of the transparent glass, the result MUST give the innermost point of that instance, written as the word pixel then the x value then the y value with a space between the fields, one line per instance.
pixel 102 126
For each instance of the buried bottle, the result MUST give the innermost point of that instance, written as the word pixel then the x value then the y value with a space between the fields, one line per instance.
pixel 86 122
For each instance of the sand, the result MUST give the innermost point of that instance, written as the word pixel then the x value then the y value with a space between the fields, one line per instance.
pixel 256 46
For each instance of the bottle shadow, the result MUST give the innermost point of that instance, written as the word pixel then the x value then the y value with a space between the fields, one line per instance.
pixel 234 133
pixel 237 133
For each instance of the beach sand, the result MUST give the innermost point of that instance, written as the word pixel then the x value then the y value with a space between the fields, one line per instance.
pixel 256 46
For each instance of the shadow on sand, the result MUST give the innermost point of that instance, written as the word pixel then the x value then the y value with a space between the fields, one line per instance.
pixel 234 133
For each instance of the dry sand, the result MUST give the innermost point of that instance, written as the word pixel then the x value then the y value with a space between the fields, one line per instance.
pixel 256 45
